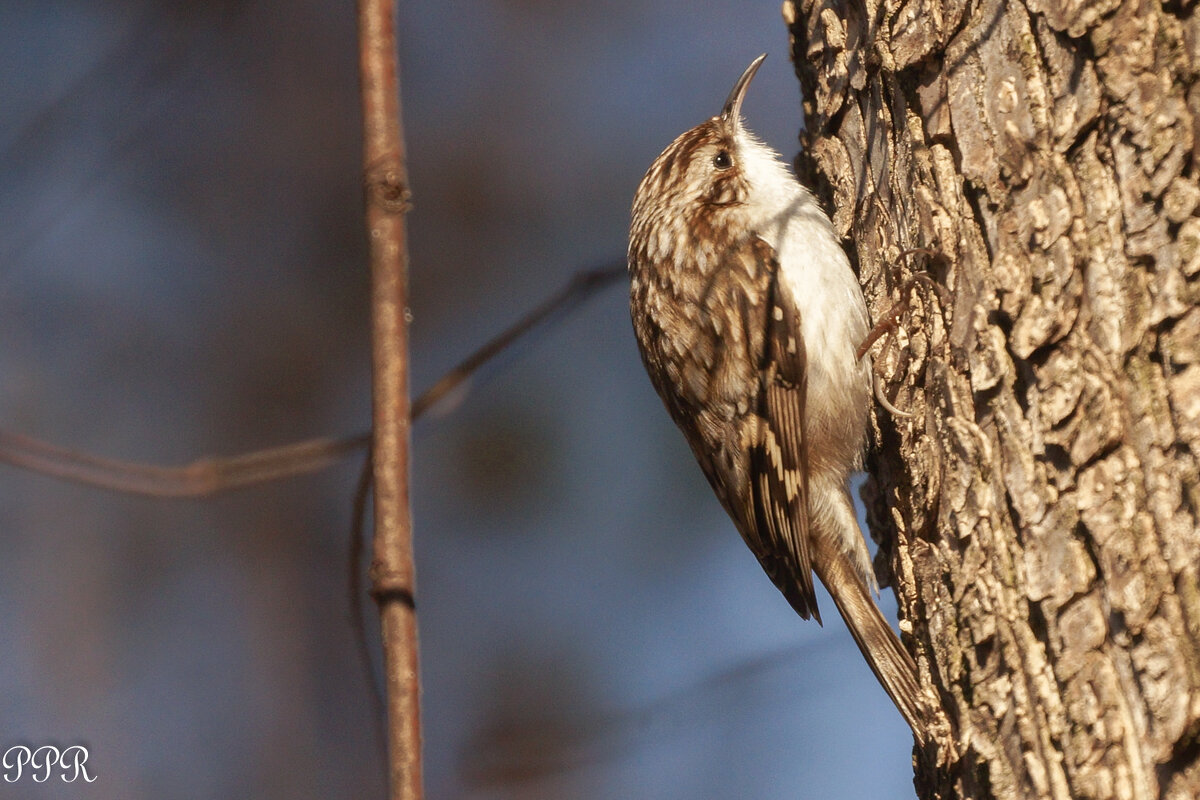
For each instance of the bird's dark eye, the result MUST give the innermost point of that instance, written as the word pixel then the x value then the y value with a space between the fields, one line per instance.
pixel 722 160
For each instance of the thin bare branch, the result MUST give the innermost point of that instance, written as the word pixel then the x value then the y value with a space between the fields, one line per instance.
pixel 203 477
pixel 393 573
pixel 581 287
pixel 354 573
pixel 209 476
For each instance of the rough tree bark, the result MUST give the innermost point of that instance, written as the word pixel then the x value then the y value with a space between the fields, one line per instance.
pixel 1044 496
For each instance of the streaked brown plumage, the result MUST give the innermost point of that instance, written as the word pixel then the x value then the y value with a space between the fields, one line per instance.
pixel 748 315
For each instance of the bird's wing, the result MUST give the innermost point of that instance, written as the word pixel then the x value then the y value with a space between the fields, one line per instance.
pixel 779 455
pixel 737 393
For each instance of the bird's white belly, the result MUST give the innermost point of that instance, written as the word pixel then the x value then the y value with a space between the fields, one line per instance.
pixel 834 323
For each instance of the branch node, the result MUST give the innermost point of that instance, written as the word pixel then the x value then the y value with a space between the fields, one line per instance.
pixel 386 186
pixel 391 586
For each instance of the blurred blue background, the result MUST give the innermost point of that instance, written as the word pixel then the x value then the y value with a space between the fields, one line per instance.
pixel 182 273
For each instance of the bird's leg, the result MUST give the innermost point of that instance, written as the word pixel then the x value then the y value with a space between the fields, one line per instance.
pixel 890 321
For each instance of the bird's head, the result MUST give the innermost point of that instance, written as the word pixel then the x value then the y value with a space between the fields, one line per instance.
pixel 717 165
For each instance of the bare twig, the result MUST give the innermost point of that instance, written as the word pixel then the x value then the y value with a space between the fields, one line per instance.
pixel 581 287
pixel 209 476
pixel 358 519
pixel 393 574
pixel 202 477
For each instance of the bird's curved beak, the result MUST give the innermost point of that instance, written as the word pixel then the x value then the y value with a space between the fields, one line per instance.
pixel 732 111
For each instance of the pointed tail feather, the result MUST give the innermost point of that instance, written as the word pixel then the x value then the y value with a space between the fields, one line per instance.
pixel 891 663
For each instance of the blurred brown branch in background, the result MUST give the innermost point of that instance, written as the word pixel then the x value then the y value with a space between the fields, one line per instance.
pixel 210 476
pixel 200 478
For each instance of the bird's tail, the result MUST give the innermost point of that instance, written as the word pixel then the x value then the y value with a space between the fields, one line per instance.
pixel 891 663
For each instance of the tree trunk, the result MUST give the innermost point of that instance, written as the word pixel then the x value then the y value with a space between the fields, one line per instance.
pixel 1044 495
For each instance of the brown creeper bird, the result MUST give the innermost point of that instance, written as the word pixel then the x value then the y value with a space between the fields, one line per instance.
pixel 748 317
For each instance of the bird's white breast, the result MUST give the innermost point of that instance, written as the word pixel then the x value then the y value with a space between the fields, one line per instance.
pixel 812 263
